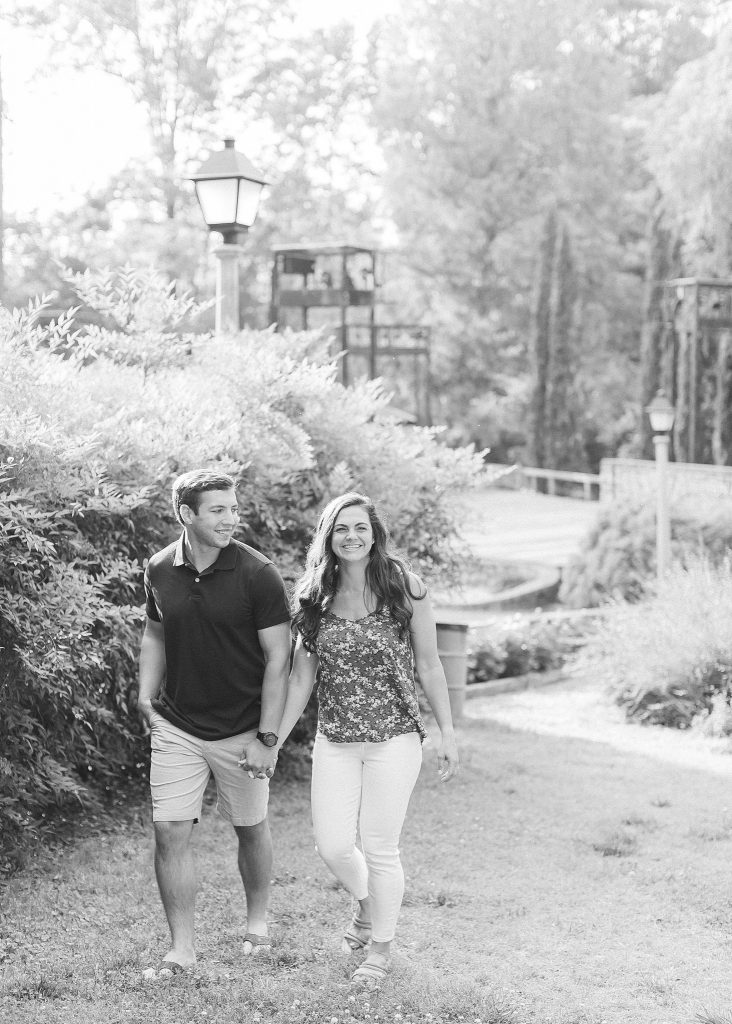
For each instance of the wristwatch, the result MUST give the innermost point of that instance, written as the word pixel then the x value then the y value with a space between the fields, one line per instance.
pixel 269 739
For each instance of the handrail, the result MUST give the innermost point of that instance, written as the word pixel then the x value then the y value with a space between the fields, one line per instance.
pixel 588 481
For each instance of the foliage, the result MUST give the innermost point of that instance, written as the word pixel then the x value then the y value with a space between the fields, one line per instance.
pixel 186 67
pixel 525 643
pixel 452 129
pixel 314 96
pixel 173 57
pixel 668 659
pixel 689 149
pixel 486 119
pixel 93 427
pixel 617 559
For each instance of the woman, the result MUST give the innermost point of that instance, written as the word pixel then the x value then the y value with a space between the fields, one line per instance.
pixel 363 622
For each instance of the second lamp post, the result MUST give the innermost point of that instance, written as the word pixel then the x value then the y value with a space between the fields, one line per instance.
pixel 661 414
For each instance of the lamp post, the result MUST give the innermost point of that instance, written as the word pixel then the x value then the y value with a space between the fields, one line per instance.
pixel 228 189
pixel 661 414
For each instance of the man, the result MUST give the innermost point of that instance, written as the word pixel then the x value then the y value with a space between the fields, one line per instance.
pixel 213 677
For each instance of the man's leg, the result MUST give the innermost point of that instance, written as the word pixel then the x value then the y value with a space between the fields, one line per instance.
pixel 255 867
pixel 178 776
pixel 243 802
pixel 176 875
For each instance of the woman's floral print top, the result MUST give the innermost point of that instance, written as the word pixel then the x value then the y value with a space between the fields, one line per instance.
pixel 366 690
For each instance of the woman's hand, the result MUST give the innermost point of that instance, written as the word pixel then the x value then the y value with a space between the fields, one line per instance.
pixel 448 759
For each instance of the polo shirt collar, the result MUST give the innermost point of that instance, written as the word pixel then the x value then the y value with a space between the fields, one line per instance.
pixel 226 559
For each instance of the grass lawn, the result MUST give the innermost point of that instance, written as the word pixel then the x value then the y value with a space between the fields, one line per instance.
pixel 555 881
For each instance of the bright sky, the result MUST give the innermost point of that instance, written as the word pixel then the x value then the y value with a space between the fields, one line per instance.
pixel 65 134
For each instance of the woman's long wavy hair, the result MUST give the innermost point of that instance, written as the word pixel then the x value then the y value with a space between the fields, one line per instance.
pixel 387 576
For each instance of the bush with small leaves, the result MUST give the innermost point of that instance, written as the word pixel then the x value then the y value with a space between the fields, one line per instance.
pixel 94 426
pixel 668 659
pixel 617 560
pixel 526 643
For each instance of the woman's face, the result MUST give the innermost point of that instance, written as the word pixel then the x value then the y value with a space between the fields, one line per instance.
pixel 352 537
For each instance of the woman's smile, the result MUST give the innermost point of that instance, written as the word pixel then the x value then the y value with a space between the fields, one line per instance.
pixel 352 533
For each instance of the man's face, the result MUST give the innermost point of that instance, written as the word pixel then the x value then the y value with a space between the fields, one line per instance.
pixel 214 523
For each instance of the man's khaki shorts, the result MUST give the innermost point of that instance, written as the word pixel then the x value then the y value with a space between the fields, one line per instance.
pixel 180 768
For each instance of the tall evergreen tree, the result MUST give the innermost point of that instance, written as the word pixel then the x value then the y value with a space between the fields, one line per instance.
pixel 563 416
pixel 541 340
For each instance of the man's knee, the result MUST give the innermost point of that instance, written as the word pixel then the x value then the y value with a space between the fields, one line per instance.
pixel 252 835
pixel 172 837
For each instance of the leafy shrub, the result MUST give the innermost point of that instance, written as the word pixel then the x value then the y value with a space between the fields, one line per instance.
pixel 93 427
pixel 69 625
pixel 525 644
pixel 668 659
pixel 617 560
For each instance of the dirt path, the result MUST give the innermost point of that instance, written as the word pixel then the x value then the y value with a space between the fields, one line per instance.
pixel 576 707
pixel 523 526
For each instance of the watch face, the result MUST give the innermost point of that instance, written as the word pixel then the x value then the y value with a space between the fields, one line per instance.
pixel 268 738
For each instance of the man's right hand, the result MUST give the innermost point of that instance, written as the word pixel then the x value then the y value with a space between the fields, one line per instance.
pixel 146 711
pixel 259 761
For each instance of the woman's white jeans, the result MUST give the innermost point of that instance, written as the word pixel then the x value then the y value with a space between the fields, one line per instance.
pixel 365 786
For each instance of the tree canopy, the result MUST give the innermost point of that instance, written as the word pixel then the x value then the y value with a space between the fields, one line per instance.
pixel 448 135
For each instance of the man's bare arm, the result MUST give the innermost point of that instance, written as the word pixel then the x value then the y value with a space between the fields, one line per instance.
pixel 151 666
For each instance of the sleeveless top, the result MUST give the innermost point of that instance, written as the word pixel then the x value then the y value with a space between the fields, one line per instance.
pixel 366 689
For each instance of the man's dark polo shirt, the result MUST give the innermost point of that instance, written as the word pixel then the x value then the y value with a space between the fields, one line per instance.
pixel 214 662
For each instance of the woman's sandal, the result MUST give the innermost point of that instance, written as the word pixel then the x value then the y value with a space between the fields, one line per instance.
pixel 352 940
pixel 372 971
pixel 260 944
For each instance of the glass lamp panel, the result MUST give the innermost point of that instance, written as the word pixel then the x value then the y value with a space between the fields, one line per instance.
pixel 217 197
pixel 246 208
pixel 662 420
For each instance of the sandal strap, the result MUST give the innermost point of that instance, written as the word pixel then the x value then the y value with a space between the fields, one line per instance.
pixel 370 972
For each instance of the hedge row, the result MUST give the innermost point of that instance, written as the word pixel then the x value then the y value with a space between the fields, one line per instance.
pixel 93 428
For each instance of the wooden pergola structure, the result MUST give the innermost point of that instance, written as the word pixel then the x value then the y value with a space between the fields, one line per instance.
pixel 334 285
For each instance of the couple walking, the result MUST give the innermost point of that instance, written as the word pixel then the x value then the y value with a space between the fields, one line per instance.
pixel 214 688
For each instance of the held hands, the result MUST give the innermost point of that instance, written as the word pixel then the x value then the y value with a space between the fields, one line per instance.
pixel 258 761
pixel 448 760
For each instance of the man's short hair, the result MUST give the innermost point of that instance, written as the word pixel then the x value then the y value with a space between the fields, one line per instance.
pixel 188 488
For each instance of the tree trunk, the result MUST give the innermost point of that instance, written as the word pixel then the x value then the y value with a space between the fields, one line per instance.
pixel 661 258
pixel 542 339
